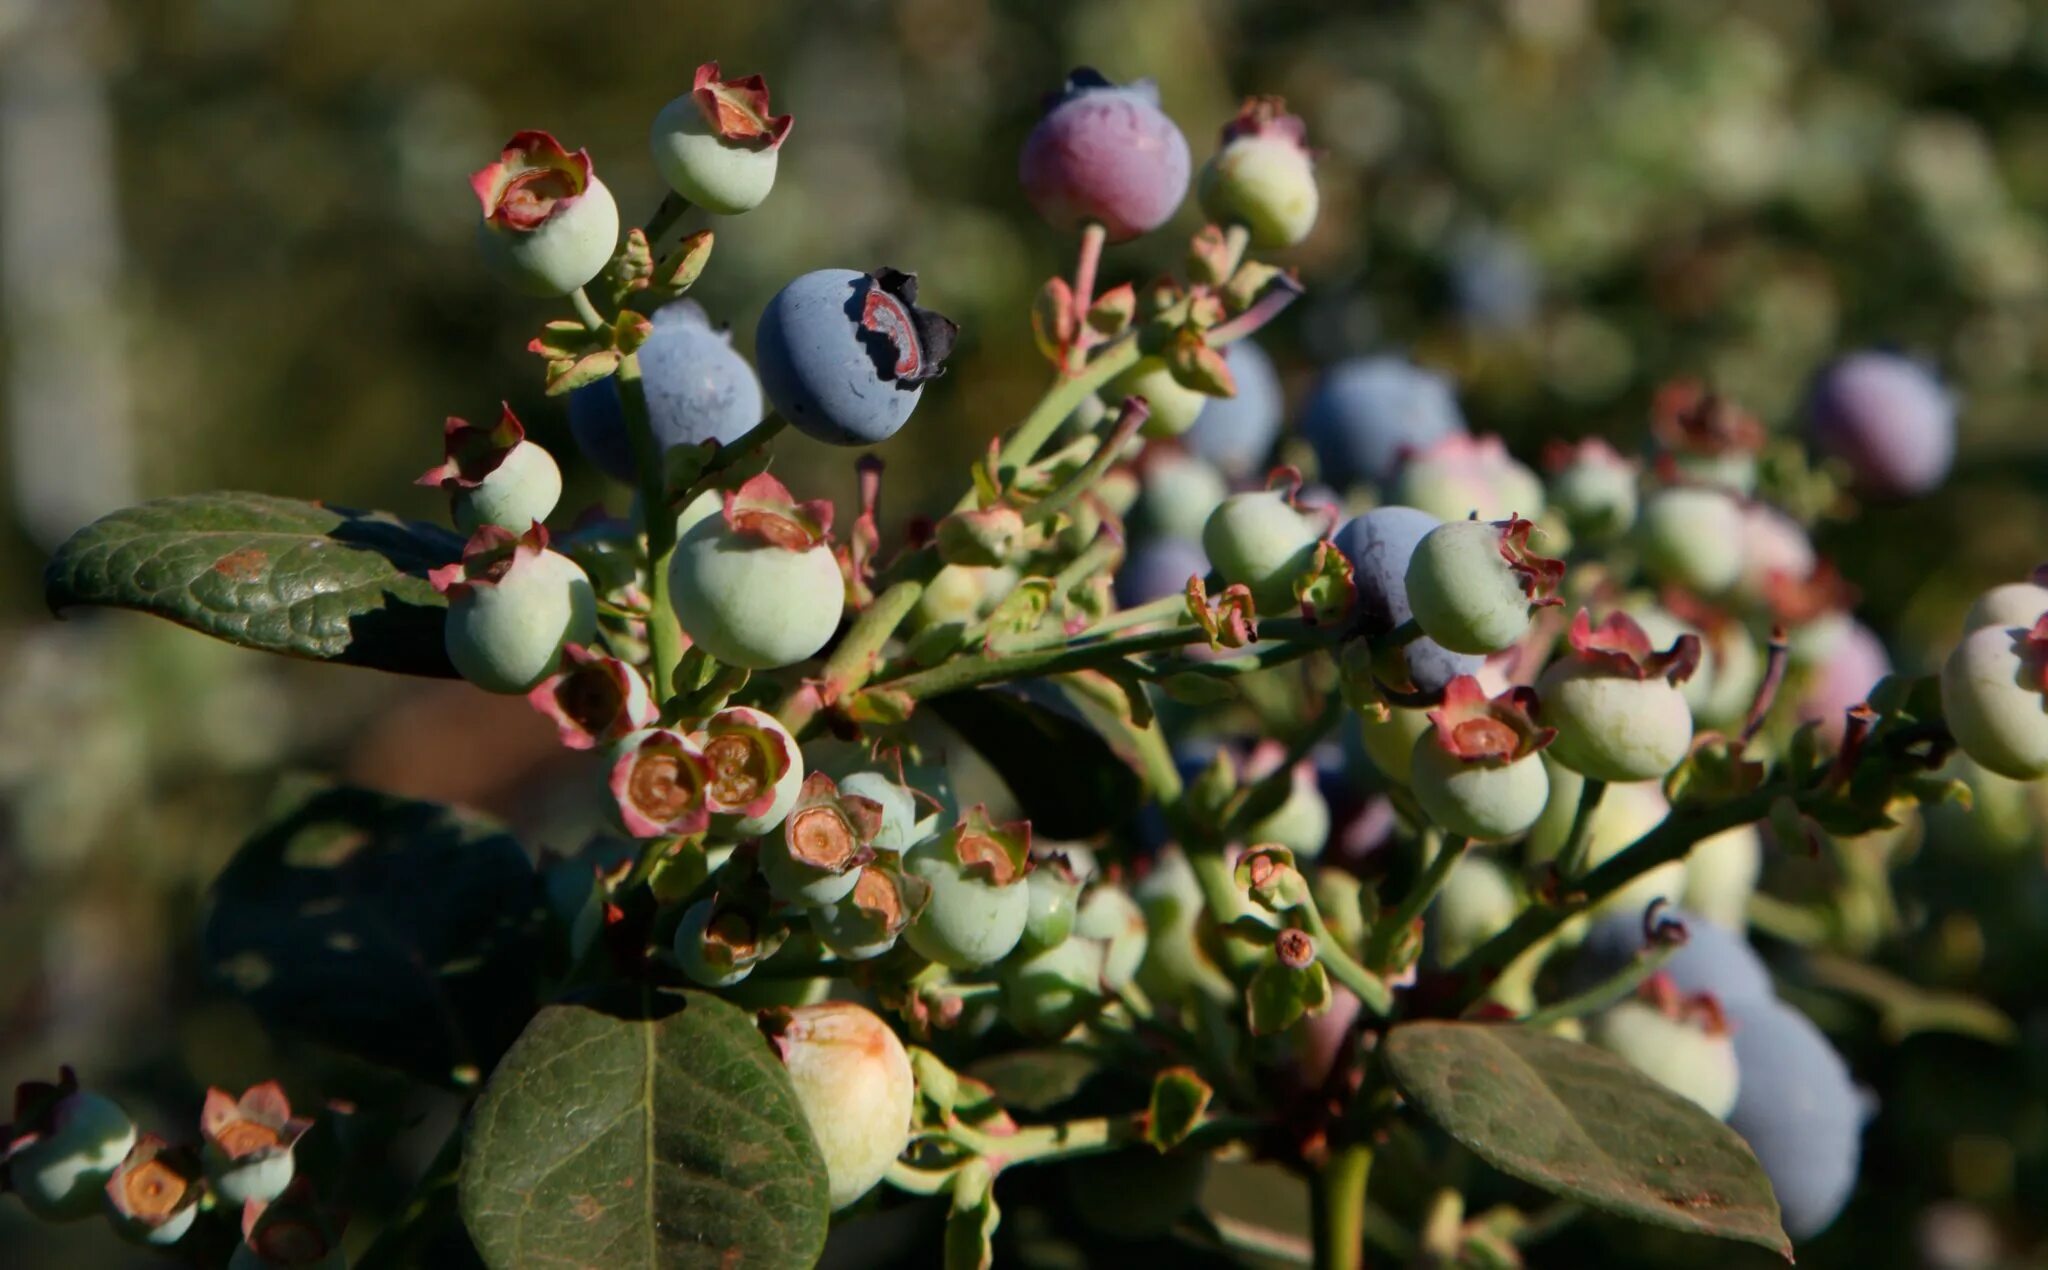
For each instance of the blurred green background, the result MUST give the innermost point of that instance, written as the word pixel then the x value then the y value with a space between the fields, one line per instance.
pixel 235 252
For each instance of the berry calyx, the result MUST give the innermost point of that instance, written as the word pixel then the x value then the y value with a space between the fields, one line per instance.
pixel 594 699
pixel 512 605
pixel 1474 770
pixel 1708 436
pixel 824 842
pixel 718 943
pixel 494 475
pixel 756 585
pixel 659 782
pixel 549 225
pixel 249 1142
pixel 1615 703
pixel 153 1197
pixel 757 772
pixel 868 921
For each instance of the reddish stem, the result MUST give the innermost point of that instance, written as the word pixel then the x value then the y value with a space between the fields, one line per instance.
pixel 1767 690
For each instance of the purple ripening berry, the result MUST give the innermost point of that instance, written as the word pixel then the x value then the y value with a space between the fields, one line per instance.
pixel 1105 153
pixel 844 355
pixel 698 389
pixel 1158 569
pixel 1799 1110
pixel 1367 412
pixel 1889 418
pixel 1237 433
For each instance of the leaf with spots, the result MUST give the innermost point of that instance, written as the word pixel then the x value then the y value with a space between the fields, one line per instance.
pixel 643 1130
pixel 271 573
pixel 1581 1123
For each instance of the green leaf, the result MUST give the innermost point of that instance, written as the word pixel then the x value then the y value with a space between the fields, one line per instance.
pixel 272 573
pixel 1582 1123
pixel 1180 1097
pixel 1037 1080
pixel 1279 996
pixel 402 932
pixel 643 1131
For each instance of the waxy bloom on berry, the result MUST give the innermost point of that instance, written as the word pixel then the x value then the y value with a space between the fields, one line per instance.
pixel 594 699
pixel 717 145
pixel 1473 583
pixel 758 586
pixel 1615 702
pixel 1263 177
pixel 249 1142
pixel 549 225
pixel 62 1146
pixel 512 605
pixel 1105 153
pixel 659 781
pixel 979 905
pixel 845 355
pixel 494 475
pixel 1475 771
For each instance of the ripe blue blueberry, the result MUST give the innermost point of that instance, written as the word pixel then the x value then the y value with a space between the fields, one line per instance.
pixel 1367 412
pixel 1105 153
pixel 1379 544
pixel 1237 433
pixel 1714 958
pixel 844 355
pixel 1889 418
pixel 698 389
pixel 1799 1110
pixel 1158 569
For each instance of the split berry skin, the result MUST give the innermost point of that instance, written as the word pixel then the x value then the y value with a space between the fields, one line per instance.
pixel 1473 583
pixel 1366 413
pixel 1713 959
pixel 698 389
pixel 1798 1109
pixel 1237 433
pixel 494 475
pixel 549 225
pixel 1107 154
pixel 1889 418
pixel 1475 770
pixel 1379 545
pixel 756 585
pixel 1261 540
pixel 1461 477
pixel 512 605
pixel 1158 569
pixel 1263 176
pixel 844 355
pixel 1615 702
pixel 854 1083
pixel 718 145
pixel 1691 536
pixel 979 904
pixel 1682 1044
pixel 66 1143
pixel 1992 694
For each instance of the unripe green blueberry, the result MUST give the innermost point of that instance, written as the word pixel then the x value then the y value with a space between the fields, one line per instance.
pixel 898 804
pixel 1048 993
pixel 853 1081
pixel 1485 804
pixel 979 901
pixel 1390 743
pixel 512 604
pixel 1478 902
pixel 1685 1057
pixel 525 487
pixel 1263 177
pixel 1180 490
pixel 2010 604
pixel 1721 689
pixel 81 1139
pixel 1595 488
pixel 1109 914
pixel 1471 584
pixel 1461 477
pixel 1175 406
pixel 868 921
pixel 153 1197
pixel 717 946
pixel 1691 536
pixel 549 225
pixel 1260 540
pixel 248 1143
pixel 757 586
pixel 817 857
pixel 1992 697
pixel 1176 968
pixel 1721 874
pixel 717 145
pixel 1627 812
pixel 1613 728
pixel 1301 823
pixel 1055 891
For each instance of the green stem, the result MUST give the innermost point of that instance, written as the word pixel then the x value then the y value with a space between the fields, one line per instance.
pixel 586 311
pixel 1572 861
pixel 1059 402
pixel 1607 991
pixel 1132 417
pixel 1338 1201
pixel 664 631
pixel 850 664
pixel 1387 932
pixel 671 210
pixel 1371 990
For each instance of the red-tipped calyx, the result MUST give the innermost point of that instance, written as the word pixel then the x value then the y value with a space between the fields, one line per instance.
pixel 1795 601
pixel 1494 732
pixel 260 1122
pixel 1266 117
pixel 2034 651
pixel 490 554
pixel 1621 647
pixel 1688 419
pixel 749 755
pixel 533 181
pixel 594 699
pixel 1539 575
pixel 737 109
pixel 998 854
pixel 659 786
pixel 1592 451
pixel 1699 1009
pixel 156 1182
pixel 472 451
pixel 763 508
pixel 830 831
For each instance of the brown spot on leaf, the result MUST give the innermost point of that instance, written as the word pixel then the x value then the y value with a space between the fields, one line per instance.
pixel 245 565
pixel 587 1208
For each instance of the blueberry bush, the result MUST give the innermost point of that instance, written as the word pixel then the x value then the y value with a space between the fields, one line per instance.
pixel 1024 842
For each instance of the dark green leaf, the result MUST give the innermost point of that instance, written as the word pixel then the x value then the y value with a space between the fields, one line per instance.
pixel 1087 790
pixel 399 931
pixel 1279 996
pixel 1579 1122
pixel 272 573
pixel 1036 1081
pixel 1180 1097
pixel 643 1131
